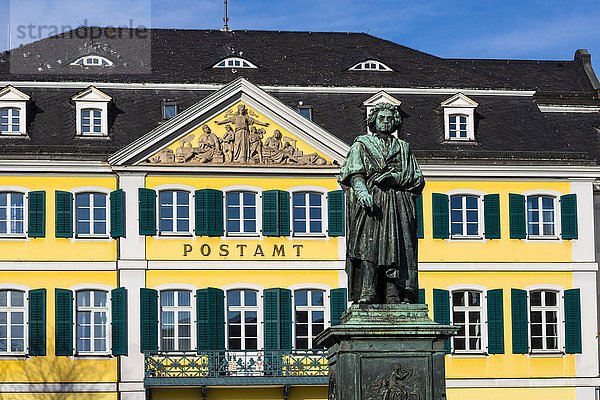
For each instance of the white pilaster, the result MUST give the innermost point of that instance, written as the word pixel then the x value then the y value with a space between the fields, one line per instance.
pixel 133 245
pixel 586 363
pixel 584 248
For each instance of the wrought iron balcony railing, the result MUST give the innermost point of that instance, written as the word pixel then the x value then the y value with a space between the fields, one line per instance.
pixel 236 368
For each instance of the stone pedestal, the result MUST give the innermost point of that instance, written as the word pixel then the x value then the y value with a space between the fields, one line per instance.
pixel 386 352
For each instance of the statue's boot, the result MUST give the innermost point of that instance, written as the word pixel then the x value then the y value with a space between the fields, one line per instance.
pixel 392 292
pixel 368 274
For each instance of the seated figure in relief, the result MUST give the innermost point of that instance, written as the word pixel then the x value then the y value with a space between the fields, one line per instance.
pixel 209 147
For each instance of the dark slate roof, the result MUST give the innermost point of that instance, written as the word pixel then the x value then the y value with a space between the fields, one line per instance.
pixel 283 58
pixel 509 128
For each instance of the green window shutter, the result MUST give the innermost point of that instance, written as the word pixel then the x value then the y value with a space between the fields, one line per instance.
pixel 491 216
pixel 338 301
pixel 37 322
pixel 421 299
pixel 63 335
pixel 277 304
pixel 441 310
pixel 270 213
pixel 118 298
pixel 37 214
pixel 568 216
pixel 495 317
pixel 441 223
pixel 516 210
pixel 64 214
pixel 284 212
pixel 210 319
pixel 148 320
pixel 147 211
pixel 573 321
pixel 336 213
pixel 208 205
pixel 420 224
pixel 520 328
pixel 117 213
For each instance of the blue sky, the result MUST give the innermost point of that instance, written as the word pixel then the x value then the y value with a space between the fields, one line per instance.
pixel 525 29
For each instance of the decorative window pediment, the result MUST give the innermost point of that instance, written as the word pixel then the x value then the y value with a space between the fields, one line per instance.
pixel 459 117
pixel 93 61
pixel 370 65
pixel 13 110
pixel 91 107
pixel 234 62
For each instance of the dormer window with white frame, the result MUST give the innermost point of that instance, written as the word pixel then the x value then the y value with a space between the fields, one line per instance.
pixel 13 111
pixel 459 118
pixel 234 62
pixel 370 65
pixel 380 97
pixel 93 61
pixel 91 106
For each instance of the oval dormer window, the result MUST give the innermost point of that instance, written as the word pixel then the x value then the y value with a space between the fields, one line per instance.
pixel 370 65
pixel 234 62
pixel 93 61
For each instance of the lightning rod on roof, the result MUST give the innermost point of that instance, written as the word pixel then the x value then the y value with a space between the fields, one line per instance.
pixel 225 17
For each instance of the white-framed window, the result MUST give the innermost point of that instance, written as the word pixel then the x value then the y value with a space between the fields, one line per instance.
pixel 242 319
pixel 465 215
pixel 370 65
pixel 91 211
pixel 10 120
pixel 93 61
pixel 176 320
pixel 169 109
pixel 459 118
pixel 12 321
pixel 91 107
pixel 309 316
pixel 541 216
pixel 174 212
pixel 91 321
pixel 458 126
pixel 240 213
pixel 13 111
pixel 544 317
pixel 12 214
pixel 234 62
pixel 91 121
pixel 468 316
pixel 307 213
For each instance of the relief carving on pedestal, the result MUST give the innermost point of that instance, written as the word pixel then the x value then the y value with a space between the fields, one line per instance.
pixel 395 385
pixel 239 142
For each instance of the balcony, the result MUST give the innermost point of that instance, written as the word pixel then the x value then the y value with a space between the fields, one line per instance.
pixel 236 368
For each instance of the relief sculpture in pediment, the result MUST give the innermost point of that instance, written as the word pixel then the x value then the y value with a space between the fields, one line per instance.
pixel 240 142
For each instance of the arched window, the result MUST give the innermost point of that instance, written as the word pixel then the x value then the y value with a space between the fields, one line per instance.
pixel 464 215
pixel 544 314
pixel 309 319
pixel 10 120
pixel 12 213
pixel 541 216
pixel 91 214
pixel 458 128
pixel 370 65
pixel 234 62
pixel 93 61
pixel 467 315
pixel 174 212
pixel 12 321
pixel 91 121
pixel 242 319
pixel 241 212
pixel 175 320
pixel 91 321
pixel 307 213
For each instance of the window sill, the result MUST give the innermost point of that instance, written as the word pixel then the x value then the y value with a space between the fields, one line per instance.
pixel 467 238
pixel 102 136
pixel 13 356
pixel 309 235
pixel 547 354
pixel 174 234
pixel 541 238
pixel 242 234
pixel 460 141
pixel 13 236
pixel 92 356
pixel 15 135
pixel 469 355
pixel 92 237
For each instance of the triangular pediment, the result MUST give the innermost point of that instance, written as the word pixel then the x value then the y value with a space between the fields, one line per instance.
pixel 239 125
pixel 459 100
pixel 10 93
pixel 382 97
pixel 91 93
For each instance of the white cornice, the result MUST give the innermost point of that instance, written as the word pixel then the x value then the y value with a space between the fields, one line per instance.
pixel 510 171
pixel 368 90
pixel 54 166
pixel 558 108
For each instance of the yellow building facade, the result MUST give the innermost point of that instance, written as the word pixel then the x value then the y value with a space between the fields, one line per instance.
pixel 180 268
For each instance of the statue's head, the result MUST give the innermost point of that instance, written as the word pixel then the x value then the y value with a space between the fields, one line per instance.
pixel 277 134
pixel 228 128
pixel 206 128
pixel 384 118
pixel 241 109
